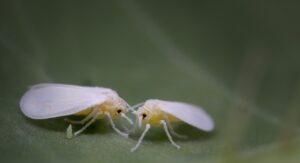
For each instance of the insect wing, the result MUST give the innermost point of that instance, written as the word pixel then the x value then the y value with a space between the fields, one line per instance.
pixel 45 101
pixel 188 113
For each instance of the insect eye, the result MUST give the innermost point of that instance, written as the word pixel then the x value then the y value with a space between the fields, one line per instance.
pixel 119 110
pixel 144 115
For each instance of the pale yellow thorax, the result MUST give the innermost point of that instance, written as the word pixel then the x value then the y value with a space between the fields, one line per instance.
pixel 108 106
pixel 155 114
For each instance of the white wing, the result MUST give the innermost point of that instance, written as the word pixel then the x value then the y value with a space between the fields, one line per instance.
pixel 188 113
pixel 45 101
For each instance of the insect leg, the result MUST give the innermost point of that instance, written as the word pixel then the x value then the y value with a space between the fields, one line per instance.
pixel 148 126
pixel 125 128
pixel 172 130
pixel 114 126
pixel 95 116
pixel 168 134
pixel 69 132
pixel 84 120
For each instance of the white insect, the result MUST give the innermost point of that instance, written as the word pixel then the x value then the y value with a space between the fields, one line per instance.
pixel 159 112
pixel 45 101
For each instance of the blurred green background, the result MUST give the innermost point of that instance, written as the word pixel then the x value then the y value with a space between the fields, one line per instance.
pixel 239 60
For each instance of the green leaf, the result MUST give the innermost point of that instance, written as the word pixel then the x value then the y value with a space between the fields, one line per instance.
pixel 237 60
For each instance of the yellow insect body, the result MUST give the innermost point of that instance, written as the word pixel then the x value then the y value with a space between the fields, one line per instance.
pixel 154 115
pixel 108 106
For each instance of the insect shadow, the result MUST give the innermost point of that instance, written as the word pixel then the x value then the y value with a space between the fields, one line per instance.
pixel 157 134
pixel 60 125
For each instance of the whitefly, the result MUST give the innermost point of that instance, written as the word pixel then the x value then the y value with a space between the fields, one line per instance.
pixel 44 101
pixel 155 112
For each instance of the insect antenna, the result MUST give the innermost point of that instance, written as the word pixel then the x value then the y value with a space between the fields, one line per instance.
pixel 127 118
pixel 132 108
pixel 137 121
pixel 134 127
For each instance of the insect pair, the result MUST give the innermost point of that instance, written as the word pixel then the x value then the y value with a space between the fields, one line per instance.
pixel 44 101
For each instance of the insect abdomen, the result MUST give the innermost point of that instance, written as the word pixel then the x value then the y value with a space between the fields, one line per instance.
pixel 84 112
pixel 155 120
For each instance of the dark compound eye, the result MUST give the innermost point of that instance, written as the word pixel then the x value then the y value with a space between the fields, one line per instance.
pixel 144 115
pixel 119 110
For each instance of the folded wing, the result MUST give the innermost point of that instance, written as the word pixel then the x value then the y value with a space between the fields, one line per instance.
pixel 45 101
pixel 188 113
